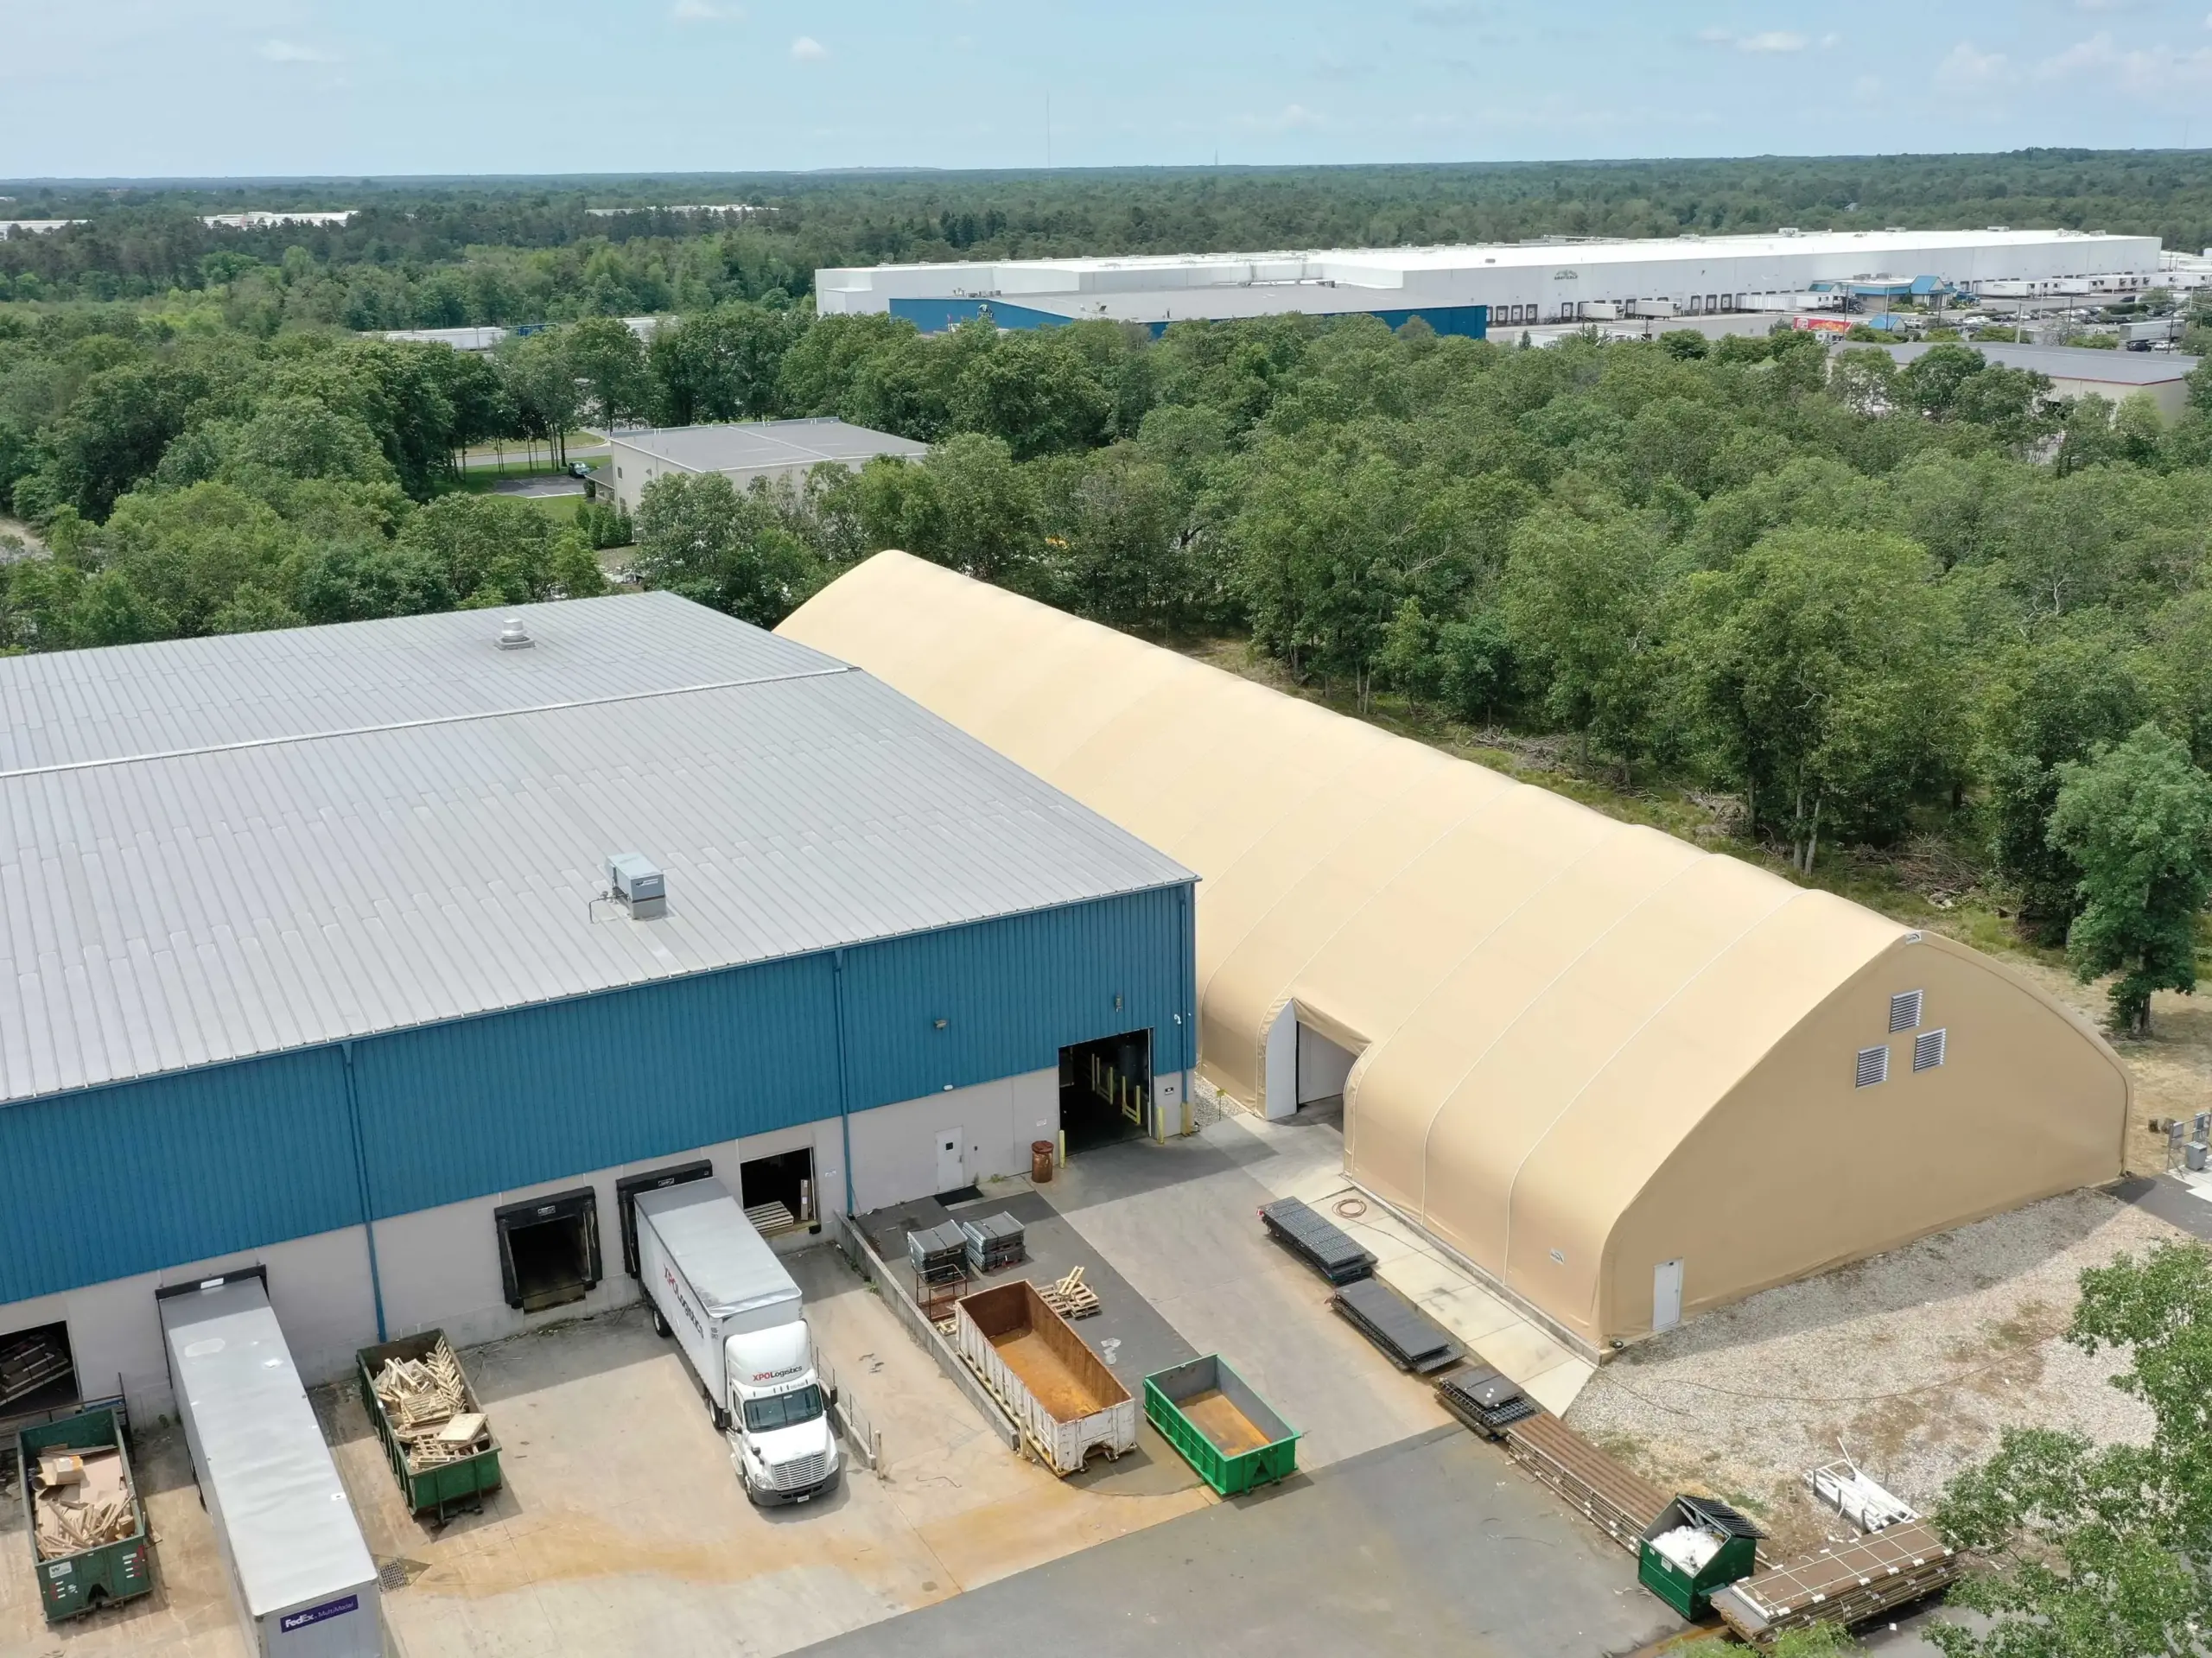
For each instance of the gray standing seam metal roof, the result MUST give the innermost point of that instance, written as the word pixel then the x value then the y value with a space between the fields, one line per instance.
pixel 745 446
pixel 214 848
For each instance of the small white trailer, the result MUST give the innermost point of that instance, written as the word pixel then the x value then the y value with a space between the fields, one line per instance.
pixel 299 1574
pixel 1067 1401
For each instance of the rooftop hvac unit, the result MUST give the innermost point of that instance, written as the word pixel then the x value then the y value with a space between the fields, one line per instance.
pixel 639 884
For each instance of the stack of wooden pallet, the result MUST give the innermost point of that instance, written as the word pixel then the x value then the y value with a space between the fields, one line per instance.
pixel 1071 1297
pixel 81 1502
pixel 427 1402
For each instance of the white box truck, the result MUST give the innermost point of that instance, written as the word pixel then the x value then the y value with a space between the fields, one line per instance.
pixel 299 1574
pixel 714 1284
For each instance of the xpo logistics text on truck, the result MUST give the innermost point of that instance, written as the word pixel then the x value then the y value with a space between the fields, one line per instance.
pixel 716 1285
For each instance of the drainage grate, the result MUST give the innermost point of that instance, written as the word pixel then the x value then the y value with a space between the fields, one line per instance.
pixel 397 1574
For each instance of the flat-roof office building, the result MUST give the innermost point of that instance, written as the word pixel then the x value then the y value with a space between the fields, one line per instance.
pixel 314 966
pixel 743 451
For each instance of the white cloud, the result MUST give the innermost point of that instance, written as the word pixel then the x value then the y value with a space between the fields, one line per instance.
pixel 1447 14
pixel 1830 40
pixel 1773 40
pixel 807 49
pixel 705 11
pixel 289 52
pixel 1966 70
pixel 2139 71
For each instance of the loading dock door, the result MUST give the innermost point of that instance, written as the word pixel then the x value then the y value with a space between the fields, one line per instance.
pixel 548 1249
pixel 625 1200
pixel 1106 1090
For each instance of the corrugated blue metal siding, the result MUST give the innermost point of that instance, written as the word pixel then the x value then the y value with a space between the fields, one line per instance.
pixel 1011 993
pixel 181 1167
pixel 148 1175
pixel 454 1111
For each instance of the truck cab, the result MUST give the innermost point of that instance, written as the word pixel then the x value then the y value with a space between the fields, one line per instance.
pixel 780 1442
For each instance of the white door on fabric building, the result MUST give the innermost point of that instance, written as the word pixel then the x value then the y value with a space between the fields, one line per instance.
pixel 951 1164
pixel 1666 1295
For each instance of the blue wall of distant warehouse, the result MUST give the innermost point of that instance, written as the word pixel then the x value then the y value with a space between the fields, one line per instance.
pixel 936 316
pixel 147 1175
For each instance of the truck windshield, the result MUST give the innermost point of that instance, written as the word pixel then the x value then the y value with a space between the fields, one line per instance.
pixel 783 1409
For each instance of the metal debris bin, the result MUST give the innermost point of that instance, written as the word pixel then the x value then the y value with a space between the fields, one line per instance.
pixel 1694 1546
pixel 1231 1435
pixel 76 1576
pixel 435 1476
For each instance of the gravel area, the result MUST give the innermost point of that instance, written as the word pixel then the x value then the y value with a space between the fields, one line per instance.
pixel 1916 1360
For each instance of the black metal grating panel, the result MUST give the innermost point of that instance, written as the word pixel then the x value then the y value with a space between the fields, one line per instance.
pixel 1321 1243
pixel 1408 1337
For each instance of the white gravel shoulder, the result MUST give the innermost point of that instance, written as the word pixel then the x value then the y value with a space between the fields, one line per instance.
pixel 1917 1360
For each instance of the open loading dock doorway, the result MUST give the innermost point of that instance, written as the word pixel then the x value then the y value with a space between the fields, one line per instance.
pixel 778 1193
pixel 38 1373
pixel 1105 1090
pixel 548 1249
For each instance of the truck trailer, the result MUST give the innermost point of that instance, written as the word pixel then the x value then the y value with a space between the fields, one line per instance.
pixel 299 1573
pixel 714 1285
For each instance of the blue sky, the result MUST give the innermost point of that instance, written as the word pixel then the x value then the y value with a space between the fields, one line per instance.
pixel 198 87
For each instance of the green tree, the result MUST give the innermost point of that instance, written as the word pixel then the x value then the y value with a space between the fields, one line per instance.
pixel 723 364
pixel 1114 543
pixel 538 381
pixel 2073 690
pixel 2136 820
pixel 2099 1551
pixel 605 359
pixel 1822 662
pixel 487 549
pixel 977 511
pixel 699 537
pixel 1582 602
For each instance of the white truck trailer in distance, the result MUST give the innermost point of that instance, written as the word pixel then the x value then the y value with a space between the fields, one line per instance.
pixel 299 1572
pixel 714 1284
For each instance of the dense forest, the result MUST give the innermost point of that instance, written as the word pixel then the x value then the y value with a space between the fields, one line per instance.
pixel 1868 607
pixel 443 253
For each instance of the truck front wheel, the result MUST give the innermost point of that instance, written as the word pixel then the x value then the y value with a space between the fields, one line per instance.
pixel 721 1417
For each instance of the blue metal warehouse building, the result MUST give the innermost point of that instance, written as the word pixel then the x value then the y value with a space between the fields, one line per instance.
pixel 314 966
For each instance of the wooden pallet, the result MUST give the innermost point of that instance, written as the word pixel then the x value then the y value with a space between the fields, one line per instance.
pixel 1071 1297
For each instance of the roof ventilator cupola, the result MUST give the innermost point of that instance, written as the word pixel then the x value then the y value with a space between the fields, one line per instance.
pixel 514 636
pixel 637 884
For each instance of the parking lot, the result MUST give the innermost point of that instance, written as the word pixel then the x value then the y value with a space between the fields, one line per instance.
pixel 621 1528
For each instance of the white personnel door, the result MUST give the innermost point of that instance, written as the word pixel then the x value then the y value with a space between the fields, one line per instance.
pixel 1666 1295
pixel 951 1164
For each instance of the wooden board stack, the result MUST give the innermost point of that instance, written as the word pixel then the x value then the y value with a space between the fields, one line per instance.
pixel 427 1402
pixel 82 1502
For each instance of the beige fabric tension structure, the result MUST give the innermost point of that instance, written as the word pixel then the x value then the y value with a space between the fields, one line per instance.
pixel 1612 1071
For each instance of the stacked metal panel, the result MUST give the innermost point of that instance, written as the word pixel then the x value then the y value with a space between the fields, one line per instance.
pixel 995 1242
pixel 1321 1243
pixel 1409 1338
pixel 1844 1582
pixel 1485 1400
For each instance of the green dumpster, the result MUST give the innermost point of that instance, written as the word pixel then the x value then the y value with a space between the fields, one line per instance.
pixel 1694 1546
pixel 1224 1430
pixel 101 1501
pixel 436 1475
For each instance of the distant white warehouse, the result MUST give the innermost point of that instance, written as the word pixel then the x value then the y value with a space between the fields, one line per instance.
pixel 1467 290
pixel 744 451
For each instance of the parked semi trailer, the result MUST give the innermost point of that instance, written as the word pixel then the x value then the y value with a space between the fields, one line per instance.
pixel 714 1285
pixel 87 1525
pixel 299 1574
pixel 1067 1403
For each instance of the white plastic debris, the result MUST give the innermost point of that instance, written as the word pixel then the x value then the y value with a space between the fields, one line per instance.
pixel 1686 1548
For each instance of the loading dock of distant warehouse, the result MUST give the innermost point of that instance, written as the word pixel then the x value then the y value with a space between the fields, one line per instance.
pixel 317 965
